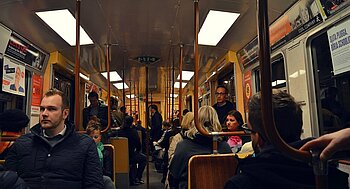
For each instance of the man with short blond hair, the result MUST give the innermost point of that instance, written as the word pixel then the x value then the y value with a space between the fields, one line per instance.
pixel 53 155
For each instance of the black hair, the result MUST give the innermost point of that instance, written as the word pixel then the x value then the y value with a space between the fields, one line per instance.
pixel 154 107
pixel 185 111
pixel 237 115
pixel 93 94
pixel 222 86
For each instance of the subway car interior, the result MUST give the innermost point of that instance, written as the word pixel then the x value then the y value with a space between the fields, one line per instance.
pixel 175 55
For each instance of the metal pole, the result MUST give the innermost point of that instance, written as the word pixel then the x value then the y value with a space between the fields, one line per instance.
pixel 130 98
pixel 77 66
pixel 147 128
pixel 180 90
pixel 172 87
pixel 109 90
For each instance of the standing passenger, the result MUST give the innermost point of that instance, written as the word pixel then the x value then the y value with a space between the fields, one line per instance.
pixel 96 111
pixel 270 168
pixel 222 106
pixel 194 144
pixel 156 124
pixel 53 155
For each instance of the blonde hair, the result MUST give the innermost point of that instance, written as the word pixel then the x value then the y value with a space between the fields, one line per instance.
pixel 93 126
pixel 208 119
pixel 186 121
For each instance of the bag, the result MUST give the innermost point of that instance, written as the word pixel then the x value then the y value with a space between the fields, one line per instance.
pixel 161 154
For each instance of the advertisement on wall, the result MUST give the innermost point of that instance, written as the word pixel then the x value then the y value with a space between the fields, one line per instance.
pixel 247 88
pixel 37 92
pixel 339 44
pixel 330 7
pixel 13 79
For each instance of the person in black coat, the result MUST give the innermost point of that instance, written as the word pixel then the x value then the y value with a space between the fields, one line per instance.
pixel 96 111
pixel 135 155
pixel 270 168
pixel 53 155
pixel 222 105
pixel 156 124
pixel 10 180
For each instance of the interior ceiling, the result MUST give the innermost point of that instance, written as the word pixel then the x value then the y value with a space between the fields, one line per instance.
pixel 136 28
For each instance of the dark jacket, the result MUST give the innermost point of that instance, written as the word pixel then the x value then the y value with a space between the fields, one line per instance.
pixel 134 143
pixel 156 126
pixel 10 180
pixel 71 163
pixel 223 110
pixel 271 169
pixel 143 137
pixel 185 150
pixel 102 115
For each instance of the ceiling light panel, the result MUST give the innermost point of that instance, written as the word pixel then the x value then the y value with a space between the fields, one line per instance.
pixel 114 76
pixel 186 75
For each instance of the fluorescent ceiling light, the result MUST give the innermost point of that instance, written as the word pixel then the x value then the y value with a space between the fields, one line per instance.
pixel 84 76
pixel 64 24
pixel 114 76
pixel 186 75
pixel 120 85
pixel 132 96
pixel 215 26
pixel 177 84
pixel 175 95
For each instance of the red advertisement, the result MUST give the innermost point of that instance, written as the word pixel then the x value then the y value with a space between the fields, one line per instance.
pixel 37 89
pixel 247 88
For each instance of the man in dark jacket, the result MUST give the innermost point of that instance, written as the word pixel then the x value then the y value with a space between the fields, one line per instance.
pixel 135 155
pixel 156 124
pixel 53 155
pixel 96 111
pixel 222 106
pixel 270 168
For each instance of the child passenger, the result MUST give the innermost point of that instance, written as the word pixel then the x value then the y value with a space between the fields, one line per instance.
pixel 93 129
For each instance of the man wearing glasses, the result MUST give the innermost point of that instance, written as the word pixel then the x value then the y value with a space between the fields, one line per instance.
pixel 222 106
pixel 270 168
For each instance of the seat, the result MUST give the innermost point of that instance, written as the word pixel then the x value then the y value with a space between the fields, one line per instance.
pixel 210 171
pixel 111 151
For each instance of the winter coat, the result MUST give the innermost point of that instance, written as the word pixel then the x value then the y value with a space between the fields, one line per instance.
pixel 10 180
pixel 71 163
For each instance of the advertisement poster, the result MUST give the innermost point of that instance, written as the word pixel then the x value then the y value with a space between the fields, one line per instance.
pixel 23 51
pixel 37 92
pixel 13 79
pixel 247 88
pixel 332 6
pixel 339 44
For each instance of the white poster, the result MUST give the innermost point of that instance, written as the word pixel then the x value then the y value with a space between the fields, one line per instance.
pixel 13 77
pixel 339 44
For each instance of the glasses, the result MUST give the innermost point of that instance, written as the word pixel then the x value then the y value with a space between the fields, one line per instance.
pixel 217 94
pixel 246 129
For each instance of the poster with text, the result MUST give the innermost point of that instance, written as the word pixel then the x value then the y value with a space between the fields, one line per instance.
pixel 13 79
pixel 247 88
pixel 339 45
pixel 37 92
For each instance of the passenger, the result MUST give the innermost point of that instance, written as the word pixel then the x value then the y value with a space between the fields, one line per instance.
pixel 234 121
pixel 137 160
pixel 96 111
pixel 330 143
pixel 10 180
pixel 222 106
pixel 53 155
pixel 12 122
pixel 94 131
pixel 270 168
pixel 156 124
pixel 184 112
pixel 195 143
pixel 186 124
pixel 118 116
pixel 164 143
pixel 143 135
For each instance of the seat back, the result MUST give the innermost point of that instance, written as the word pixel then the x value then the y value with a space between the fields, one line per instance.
pixel 111 150
pixel 121 161
pixel 210 171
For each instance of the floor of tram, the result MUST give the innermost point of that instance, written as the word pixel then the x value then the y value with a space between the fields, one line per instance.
pixel 154 179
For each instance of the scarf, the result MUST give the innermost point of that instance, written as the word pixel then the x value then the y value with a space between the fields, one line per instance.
pixel 100 149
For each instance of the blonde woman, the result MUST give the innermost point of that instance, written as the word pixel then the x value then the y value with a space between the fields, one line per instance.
pixel 194 143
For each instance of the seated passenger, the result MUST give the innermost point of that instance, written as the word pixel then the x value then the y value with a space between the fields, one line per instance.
pixel 93 129
pixel 270 168
pixel 194 144
pixel 234 121
pixel 137 160
pixel 12 123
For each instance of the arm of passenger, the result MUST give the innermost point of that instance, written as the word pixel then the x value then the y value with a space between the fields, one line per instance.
pixel 92 178
pixel 172 147
pixel 11 160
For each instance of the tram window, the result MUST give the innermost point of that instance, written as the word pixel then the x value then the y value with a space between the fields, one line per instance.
pixel 332 91
pixel 227 78
pixel 278 77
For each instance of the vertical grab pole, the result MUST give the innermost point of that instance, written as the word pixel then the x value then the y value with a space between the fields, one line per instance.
pixel 180 90
pixel 173 88
pixel 109 90
pixel 123 80
pixel 77 66
pixel 147 128
pixel 130 98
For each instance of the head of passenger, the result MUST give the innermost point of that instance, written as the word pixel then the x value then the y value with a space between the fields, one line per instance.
pixel 184 112
pixel 123 109
pixel 166 125
pixel 153 108
pixel 93 129
pixel 13 120
pixel 287 114
pixel 93 98
pixel 221 94
pixel 54 110
pixel 208 120
pixel 187 121
pixel 234 120
pixel 128 121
